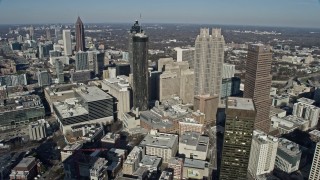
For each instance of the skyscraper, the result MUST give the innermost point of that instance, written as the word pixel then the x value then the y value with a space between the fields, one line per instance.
pixel 140 73
pixel 48 34
pixel 240 117
pixel 258 83
pixel 315 168
pixel 209 58
pixel 31 31
pixel 67 42
pixel 136 28
pixel 82 62
pixel 80 41
pixel 59 71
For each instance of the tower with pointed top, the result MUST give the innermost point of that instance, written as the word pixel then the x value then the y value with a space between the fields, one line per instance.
pixel 80 41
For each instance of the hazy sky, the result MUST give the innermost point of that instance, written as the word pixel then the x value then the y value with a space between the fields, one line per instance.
pixel 296 13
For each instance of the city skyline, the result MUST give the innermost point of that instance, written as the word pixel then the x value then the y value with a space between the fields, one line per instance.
pixel 228 12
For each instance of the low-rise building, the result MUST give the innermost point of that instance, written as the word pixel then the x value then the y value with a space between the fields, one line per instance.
pixel 288 156
pixel 110 140
pixel 25 170
pixel 193 145
pixel 307 111
pixel 280 100
pixel 131 164
pixel 161 145
pixel 289 123
pixel 195 169
pixel 176 164
pixel 69 150
pixel 153 163
pixel 190 124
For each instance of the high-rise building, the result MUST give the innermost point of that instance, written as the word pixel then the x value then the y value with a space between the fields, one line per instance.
pixel 315 168
pixel 208 105
pixel 31 32
pixel 258 83
pixel 263 154
pixel 240 117
pixel 82 62
pixel 67 42
pixel 59 71
pixel 308 112
pixel 136 28
pixel 209 58
pixel 186 54
pixel 140 72
pixel 48 34
pixel 44 78
pixel 80 41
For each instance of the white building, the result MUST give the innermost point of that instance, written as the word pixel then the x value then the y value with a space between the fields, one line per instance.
pixel 228 71
pixel 131 164
pixel 161 145
pixel 193 145
pixel 263 154
pixel 37 130
pixel 185 54
pixel 308 112
pixel 209 58
pixel 288 156
pixel 67 42
pixel 289 123
pixel 315 168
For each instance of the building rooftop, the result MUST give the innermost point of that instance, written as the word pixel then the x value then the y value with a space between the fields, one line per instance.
pixel 289 147
pixel 306 100
pixel 152 162
pixel 70 108
pixel 53 89
pixel 194 163
pixel 21 102
pixel 175 160
pixel 92 93
pixel 315 133
pixel 240 103
pixel 71 147
pixel 26 162
pixel 133 155
pixel 196 140
pixel 161 140
pixel 110 137
pixel 263 138
pixel 275 111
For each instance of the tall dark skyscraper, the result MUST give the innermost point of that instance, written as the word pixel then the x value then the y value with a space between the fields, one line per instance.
pixel 240 117
pixel 136 28
pixel 258 83
pixel 80 41
pixel 138 54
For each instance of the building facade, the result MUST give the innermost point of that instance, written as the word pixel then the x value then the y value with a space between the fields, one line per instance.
pixel 67 44
pixel 80 38
pixel 315 168
pixel 258 83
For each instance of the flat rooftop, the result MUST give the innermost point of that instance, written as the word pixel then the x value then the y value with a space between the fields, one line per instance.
pixel 160 140
pixel 195 139
pixel 240 103
pixel 70 108
pixel 289 147
pixel 315 133
pixel 194 163
pixel 150 161
pixel 92 93
pixel 25 162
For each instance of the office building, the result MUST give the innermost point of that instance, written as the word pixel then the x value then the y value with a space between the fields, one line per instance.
pixel 209 58
pixel 258 83
pixel 31 33
pixel 67 44
pixel 239 125
pixel 208 105
pixel 118 88
pixel 44 78
pixel 315 167
pixel 13 80
pixel 161 145
pixel 80 38
pixel 26 169
pixel 263 154
pixel 82 61
pixel 140 83
pixel 96 61
pixel 131 164
pixel 195 169
pixel 81 76
pixel 37 130
pixel 90 104
pixel 136 28
pixel 193 145
pixel 59 71
pixel 20 111
pixel 308 112
pixel 186 54
pixel 288 156
pixel 48 34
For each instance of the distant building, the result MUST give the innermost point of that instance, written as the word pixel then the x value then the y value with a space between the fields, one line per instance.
pixel 240 116
pixel 37 130
pixel 263 154
pixel 193 145
pixel 288 156
pixel 160 144
pixel 258 83
pixel 82 76
pixel 13 80
pixel 25 170
pixel 67 44
pixel 315 168
pixel 288 124
pixel 59 71
pixel 195 169
pixel 82 61
pixel 80 38
pixel 44 78
pixel 186 54
pixel 96 61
